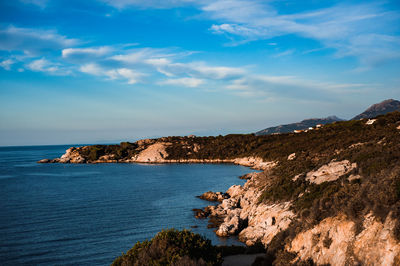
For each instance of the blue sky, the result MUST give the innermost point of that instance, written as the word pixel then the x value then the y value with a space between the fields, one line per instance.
pixel 111 70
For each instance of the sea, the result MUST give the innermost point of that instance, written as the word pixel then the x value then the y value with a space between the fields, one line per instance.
pixel 89 214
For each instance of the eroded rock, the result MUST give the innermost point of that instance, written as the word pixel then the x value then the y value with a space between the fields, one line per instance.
pixel 153 153
pixel 265 222
pixel 334 241
pixel 330 172
pixel 214 196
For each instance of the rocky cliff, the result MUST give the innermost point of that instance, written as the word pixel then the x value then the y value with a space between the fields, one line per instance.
pixel 330 196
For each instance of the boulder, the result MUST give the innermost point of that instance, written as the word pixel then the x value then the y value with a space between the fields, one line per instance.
pixel 214 196
pixel 330 172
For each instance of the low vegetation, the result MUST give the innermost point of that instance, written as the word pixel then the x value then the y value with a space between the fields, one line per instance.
pixel 172 247
pixel 375 148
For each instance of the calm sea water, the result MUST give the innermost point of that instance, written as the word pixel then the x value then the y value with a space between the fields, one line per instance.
pixel 66 214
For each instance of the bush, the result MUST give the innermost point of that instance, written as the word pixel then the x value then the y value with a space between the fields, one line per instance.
pixel 172 247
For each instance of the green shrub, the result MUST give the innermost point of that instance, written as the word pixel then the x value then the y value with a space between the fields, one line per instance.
pixel 172 247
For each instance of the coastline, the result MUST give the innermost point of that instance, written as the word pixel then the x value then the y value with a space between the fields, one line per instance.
pixel 330 196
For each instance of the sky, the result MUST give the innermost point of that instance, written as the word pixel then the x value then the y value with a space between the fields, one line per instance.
pixel 105 71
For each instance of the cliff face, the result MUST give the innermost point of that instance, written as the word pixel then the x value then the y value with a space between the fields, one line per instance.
pixel 335 240
pixel 331 196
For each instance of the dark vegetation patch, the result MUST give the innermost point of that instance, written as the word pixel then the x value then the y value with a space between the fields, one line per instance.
pixel 172 247
pixel 185 248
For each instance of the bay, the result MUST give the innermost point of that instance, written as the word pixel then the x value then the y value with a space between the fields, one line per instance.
pixel 88 214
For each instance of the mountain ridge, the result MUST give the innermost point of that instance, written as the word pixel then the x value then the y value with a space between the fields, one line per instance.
pixel 381 108
pixel 384 107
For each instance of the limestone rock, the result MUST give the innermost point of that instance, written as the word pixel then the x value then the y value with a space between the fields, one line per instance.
pixel 231 224
pixel 214 196
pixel 153 153
pixel 235 191
pixel 334 241
pixel 45 161
pixel 353 177
pixel 255 162
pixel 265 222
pixel 71 155
pixel 330 172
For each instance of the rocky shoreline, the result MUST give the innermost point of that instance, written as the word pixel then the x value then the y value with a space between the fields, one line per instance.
pixel 330 197
pixel 240 213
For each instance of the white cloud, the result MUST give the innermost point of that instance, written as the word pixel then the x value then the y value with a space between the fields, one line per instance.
pixel 196 69
pixel 284 53
pixel 43 65
pixel 120 4
pixel 33 42
pixel 6 64
pixel 92 69
pixel 341 26
pixel 265 86
pixel 251 33
pixel 215 72
pixel 347 28
pixel 85 52
pixel 130 76
pixel 186 82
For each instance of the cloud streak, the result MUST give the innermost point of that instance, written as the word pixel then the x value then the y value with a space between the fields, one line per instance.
pixel 54 54
pixel 33 42
pixel 367 31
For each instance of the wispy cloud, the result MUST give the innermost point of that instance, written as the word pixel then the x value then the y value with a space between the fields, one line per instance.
pixel 120 4
pixel 284 53
pixel 85 53
pixel 367 31
pixel 33 42
pixel 54 54
pixel 186 82
pixel 43 65
pixel 266 86
pixel 130 76
pixel 6 64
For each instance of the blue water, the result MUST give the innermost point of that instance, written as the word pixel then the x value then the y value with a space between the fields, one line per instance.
pixel 66 214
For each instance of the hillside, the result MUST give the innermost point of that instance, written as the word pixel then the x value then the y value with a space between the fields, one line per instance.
pixel 305 124
pixel 327 196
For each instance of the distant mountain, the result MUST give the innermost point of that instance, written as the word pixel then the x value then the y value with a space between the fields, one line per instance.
pixel 381 108
pixel 305 124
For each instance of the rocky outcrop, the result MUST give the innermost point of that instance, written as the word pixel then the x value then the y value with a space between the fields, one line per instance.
pixel 330 172
pixel 154 153
pixel 265 222
pixel 244 216
pixel 334 241
pixel 248 176
pixel 71 155
pixel 214 196
pixel 255 162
